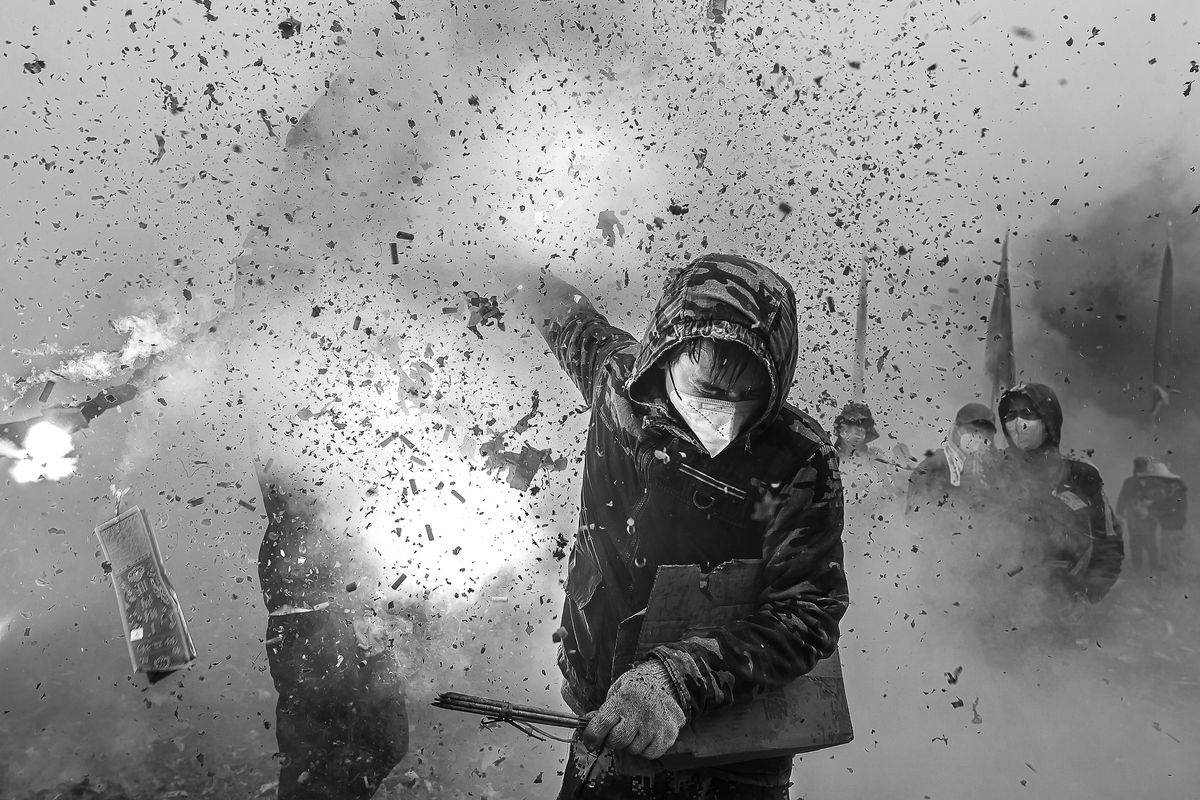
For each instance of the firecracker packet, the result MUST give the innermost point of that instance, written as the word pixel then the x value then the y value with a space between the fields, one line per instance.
pixel 155 629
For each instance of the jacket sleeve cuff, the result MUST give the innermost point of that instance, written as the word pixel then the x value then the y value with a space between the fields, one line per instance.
pixel 682 697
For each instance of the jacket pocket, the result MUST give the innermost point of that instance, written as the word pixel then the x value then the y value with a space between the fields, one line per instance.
pixel 583 575
pixel 584 623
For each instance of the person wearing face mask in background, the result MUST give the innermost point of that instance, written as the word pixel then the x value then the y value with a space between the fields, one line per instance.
pixel 1071 542
pixel 692 457
pixel 948 497
pixel 869 475
pixel 855 430
pixel 958 474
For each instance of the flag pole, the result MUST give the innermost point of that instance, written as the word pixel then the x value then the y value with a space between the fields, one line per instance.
pixel 860 333
pixel 1162 341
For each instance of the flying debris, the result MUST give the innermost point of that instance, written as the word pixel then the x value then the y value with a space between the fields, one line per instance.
pixel 715 10
pixel 483 311
pixel 109 398
pixel 521 468
pixel 289 27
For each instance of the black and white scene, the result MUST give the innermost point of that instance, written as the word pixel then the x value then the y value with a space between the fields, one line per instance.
pixel 624 400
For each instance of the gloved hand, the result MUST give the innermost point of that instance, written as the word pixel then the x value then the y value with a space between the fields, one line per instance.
pixel 641 714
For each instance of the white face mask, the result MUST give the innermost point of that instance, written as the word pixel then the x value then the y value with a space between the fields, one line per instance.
pixel 716 423
pixel 973 442
pixel 1027 434
pixel 853 435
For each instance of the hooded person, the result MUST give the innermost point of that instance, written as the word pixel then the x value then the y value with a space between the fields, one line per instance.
pixel 692 456
pixel 1059 503
pixel 869 475
pixel 855 430
pixel 960 467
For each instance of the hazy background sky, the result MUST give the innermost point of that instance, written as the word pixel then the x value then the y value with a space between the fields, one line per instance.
pixel 154 173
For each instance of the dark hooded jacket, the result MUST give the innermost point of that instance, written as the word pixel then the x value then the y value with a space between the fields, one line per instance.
pixel 652 495
pixel 1060 503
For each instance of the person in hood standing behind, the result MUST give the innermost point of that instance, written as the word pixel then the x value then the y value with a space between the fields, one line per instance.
pixel 855 430
pixel 692 457
pixel 868 474
pixel 948 496
pixel 1070 532
pixel 959 470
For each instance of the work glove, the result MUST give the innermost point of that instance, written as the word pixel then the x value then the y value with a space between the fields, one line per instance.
pixel 641 714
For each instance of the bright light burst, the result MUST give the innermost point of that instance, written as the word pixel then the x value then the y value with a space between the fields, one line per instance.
pixel 47 454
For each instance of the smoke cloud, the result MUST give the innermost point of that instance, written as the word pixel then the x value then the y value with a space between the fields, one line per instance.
pixel 346 317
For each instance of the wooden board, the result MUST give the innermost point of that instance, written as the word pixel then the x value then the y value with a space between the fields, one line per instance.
pixel 808 714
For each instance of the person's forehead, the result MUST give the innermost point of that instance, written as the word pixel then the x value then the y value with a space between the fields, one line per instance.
pixel 703 365
pixel 704 351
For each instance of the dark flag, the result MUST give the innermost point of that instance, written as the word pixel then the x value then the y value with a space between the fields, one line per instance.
pixel 1162 337
pixel 999 358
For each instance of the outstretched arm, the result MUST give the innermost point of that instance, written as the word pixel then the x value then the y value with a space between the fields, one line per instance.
pixel 578 335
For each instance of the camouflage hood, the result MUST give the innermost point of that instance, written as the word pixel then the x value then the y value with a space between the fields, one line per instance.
pixel 721 297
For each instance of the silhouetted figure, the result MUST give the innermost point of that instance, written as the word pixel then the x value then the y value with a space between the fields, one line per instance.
pixel 1133 507
pixel 340 721
pixel 1153 505
pixel 1171 509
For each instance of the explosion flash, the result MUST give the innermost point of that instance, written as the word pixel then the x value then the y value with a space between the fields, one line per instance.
pixel 46 454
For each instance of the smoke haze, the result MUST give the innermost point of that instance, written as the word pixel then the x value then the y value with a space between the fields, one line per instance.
pixel 285 250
